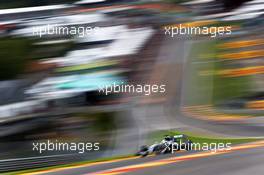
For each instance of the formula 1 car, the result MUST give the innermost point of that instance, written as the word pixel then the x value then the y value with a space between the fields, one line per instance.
pixel 168 145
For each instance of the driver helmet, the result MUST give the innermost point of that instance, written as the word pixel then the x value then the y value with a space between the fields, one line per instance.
pixel 168 138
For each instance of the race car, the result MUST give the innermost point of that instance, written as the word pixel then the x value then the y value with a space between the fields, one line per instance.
pixel 169 144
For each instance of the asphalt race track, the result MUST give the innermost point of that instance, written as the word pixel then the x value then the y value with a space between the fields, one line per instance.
pixel 242 159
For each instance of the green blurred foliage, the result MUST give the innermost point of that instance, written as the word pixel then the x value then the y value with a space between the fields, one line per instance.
pixel 50 50
pixel 13 56
pixel 29 3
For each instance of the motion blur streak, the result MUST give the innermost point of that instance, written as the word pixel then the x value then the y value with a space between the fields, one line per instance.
pixel 207 112
pixel 82 165
pixel 171 70
pixel 176 159
pixel 243 43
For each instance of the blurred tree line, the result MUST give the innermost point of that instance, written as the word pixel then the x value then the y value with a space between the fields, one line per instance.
pixel 16 53
pixel 227 4
pixel 13 56
pixel 29 3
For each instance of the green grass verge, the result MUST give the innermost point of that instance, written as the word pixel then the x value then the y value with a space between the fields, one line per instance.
pixel 199 88
pixel 159 135
pixel 226 88
pixel 204 85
